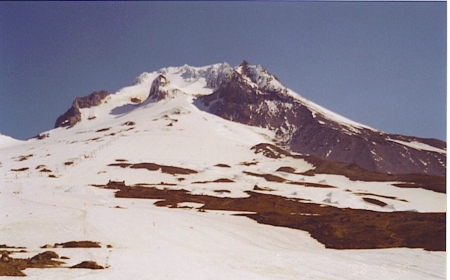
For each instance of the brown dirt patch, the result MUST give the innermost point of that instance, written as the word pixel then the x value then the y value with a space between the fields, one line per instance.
pixel 286 169
pixel 379 195
pixel 48 259
pixel 129 123
pixel 274 178
pixel 374 201
pixel 20 169
pixel 222 191
pixel 45 170
pixel 222 165
pixel 22 158
pixel 146 165
pixel 354 172
pixel 136 100
pixel 271 151
pixel 221 180
pixel 256 188
pixel 312 185
pixel 267 177
pixel 13 267
pixel 103 129
pixel 78 244
pixel 248 163
pixel 121 164
pixel 338 228
pixel 174 170
pixel 4 246
pixel 88 265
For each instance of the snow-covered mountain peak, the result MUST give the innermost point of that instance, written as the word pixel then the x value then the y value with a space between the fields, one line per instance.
pixel 219 154
pixel 250 95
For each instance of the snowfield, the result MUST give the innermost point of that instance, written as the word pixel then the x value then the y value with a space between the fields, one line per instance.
pixel 49 194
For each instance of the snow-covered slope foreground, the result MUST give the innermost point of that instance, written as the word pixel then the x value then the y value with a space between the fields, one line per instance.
pixel 171 190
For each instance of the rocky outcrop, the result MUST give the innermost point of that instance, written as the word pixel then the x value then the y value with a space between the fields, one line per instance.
pixel 73 114
pixel 157 91
pixel 253 97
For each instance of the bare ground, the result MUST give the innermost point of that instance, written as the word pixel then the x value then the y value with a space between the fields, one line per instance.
pixel 10 266
pixel 352 171
pixel 338 228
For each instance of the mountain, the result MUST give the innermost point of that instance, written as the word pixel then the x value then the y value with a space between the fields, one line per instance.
pixel 248 94
pixel 198 172
pixel 254 97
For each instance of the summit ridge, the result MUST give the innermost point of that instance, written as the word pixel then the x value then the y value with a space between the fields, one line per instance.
pixel 250 95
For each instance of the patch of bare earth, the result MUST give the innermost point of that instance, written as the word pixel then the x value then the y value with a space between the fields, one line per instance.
pixel 22 158
pixel 286 169
pixel 13 267
pixel 78 244
pixel 338 228
pixel 277 179
pixel 10 266
pixel 354 172
pixel 88 265
pixel 256 188
pixel 221 180
pixel 374 201
pixel 311 185
pixel 379 195
pixel 174 170
pixel 222 165
pixel 222 191
pixel 267 177
pixel 249 163
pixel 103 129
pixel 20 169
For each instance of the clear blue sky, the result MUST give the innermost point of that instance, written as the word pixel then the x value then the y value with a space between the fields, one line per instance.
pixel 382 64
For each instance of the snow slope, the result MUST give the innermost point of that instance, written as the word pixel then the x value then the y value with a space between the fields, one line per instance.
pixel 150 242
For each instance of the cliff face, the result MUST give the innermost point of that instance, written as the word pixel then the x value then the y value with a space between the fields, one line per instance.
pixel 251 97
pixel 73 114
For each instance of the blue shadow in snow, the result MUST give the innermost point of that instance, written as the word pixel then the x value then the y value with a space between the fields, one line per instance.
pixel 124 109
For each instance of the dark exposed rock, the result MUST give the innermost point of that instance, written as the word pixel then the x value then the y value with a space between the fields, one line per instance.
pixel 44 257
pixel 374 201
pixel 250 98
pixel 88 265
pixel 338 228
pixel 354 172
pixel 20 169
pixel 136 100
pixel 78 244
pixel 156 91
pixel 73 115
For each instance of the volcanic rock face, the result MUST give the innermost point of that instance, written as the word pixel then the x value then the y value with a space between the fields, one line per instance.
pixel 254 97
pixel 73 115
pixel 157 91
